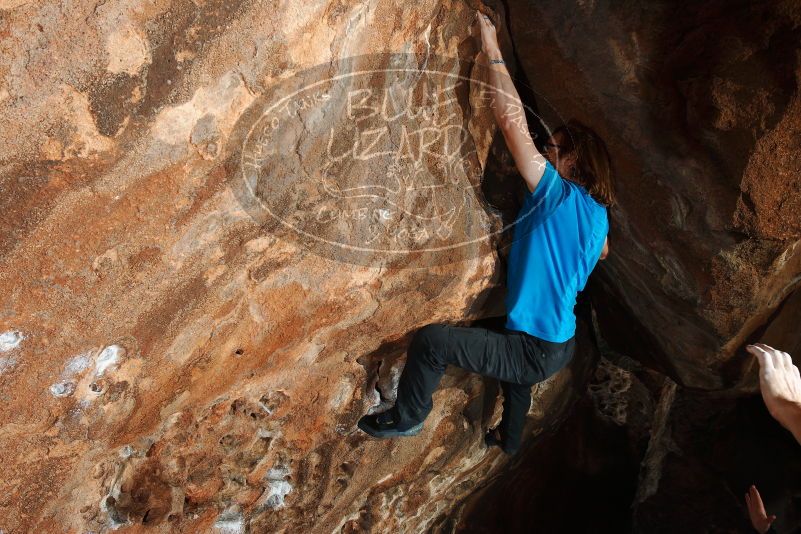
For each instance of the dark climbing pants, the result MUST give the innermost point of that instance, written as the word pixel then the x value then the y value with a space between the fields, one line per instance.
pixel 518 359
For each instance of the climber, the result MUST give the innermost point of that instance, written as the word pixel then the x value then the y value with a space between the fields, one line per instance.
pixel 559 235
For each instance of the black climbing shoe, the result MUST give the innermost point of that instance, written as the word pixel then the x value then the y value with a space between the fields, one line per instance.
pixel 491 440
pixel 383 425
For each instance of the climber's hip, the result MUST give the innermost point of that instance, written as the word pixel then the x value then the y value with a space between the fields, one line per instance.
pixel 508 355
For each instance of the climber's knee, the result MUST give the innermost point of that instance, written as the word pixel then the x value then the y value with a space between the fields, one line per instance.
pixel 433 334
pixel 430 340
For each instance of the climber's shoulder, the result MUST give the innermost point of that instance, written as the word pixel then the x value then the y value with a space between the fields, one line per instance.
pixel 584 196
pixel 597 212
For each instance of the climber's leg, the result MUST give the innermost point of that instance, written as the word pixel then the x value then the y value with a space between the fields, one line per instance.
pixel 432 348
pixel 435 346
pixel 426 360
pixel 508 355
pixel 516 403
pixel 551 358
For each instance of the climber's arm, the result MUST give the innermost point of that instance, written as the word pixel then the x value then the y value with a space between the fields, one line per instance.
pixel 508 110
pixel 511 118
pixel 528 160
pixel 605 250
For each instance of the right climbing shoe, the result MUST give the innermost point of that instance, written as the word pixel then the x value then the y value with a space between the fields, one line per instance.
pixel 384 425
pixel 491 440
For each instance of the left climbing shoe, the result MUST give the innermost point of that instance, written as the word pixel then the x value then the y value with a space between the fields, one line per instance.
pixel 385 425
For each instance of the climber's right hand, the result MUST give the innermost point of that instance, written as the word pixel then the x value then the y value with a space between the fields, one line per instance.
pixel 489 36
pixel 780 384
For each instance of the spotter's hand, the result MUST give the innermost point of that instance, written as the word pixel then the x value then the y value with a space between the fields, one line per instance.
pixel 780 384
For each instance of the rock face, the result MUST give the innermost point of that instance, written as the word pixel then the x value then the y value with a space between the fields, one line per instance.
pixel 640 454
pixel 180 349
pixel 700 107
pixel 220 227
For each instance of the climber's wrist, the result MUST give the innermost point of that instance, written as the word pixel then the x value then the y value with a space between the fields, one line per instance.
pixel 494 52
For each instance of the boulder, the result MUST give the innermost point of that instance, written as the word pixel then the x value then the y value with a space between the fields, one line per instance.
pixel 700 108
pixel 216 243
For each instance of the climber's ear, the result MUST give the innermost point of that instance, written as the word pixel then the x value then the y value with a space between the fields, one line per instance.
pixel 567 161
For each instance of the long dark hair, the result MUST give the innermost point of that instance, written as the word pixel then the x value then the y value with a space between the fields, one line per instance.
pixel 593 164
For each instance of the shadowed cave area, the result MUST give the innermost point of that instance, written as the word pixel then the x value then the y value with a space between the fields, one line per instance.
pixel 217 244
pixel 648 446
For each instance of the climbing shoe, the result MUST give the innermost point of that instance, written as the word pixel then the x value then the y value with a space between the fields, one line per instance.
pixel 384 425
pixel 492 440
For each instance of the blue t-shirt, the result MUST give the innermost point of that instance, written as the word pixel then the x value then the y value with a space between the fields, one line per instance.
pixel 558 238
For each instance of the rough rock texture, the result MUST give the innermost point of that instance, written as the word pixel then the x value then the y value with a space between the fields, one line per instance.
pixel 173 359
pixel 700 106
pixel 168 359
pixel 699 103
pixel 585 476
pixel 639 453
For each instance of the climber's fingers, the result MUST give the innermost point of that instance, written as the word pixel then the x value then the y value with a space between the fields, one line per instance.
pixel 484 19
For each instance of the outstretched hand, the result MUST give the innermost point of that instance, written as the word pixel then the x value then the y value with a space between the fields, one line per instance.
pixel 489 35
pixel 780 384
pixel 756 511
